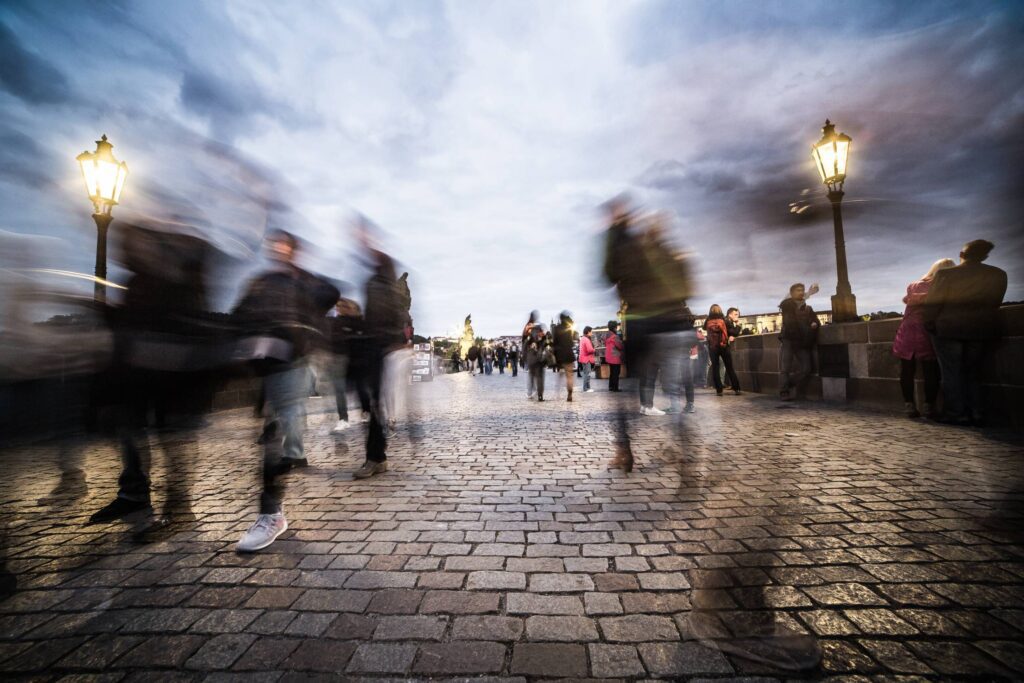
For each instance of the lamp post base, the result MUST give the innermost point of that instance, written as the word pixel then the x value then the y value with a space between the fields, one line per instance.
pixel 844 308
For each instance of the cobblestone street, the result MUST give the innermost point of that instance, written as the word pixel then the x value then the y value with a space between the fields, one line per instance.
pixel 499 545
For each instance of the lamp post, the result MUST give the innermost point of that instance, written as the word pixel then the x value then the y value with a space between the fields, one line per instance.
pixel 830 156
pixel 104 180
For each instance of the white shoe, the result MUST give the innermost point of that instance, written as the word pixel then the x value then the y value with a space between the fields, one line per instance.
pixel 652 411
pixel 370 468
pixel 263 532
pixel 588 391
pixel 340 427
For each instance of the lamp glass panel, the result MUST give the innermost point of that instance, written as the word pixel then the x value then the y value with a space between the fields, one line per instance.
pixel 89 172
pixel 827 160
pixel 842 152
pixel 122 176
pixel 106 179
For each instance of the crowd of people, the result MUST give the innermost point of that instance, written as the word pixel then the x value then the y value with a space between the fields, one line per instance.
pixel 169 352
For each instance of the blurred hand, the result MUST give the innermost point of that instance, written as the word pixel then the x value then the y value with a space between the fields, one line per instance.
pixel 813 289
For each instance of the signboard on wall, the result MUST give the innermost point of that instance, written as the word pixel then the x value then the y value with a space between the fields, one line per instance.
pixel 422 363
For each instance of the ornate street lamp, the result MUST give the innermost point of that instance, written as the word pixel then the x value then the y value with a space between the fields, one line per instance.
pixel 104 181
pixel 830 156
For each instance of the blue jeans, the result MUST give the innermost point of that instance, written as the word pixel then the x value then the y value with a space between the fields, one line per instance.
pixel 586 375
pixel 286 392
pixel 669 354
pixel 488 366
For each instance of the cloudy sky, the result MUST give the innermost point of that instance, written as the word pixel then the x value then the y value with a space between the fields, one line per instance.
pixel 481 136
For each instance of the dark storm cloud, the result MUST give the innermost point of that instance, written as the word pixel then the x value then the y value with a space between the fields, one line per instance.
pixel 16 151
pixel 28 76
pixel 232 106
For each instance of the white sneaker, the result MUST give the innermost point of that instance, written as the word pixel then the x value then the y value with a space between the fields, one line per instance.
pixel 263 532
pixel 652 411
pixel 370 468
pixel 588 391
pixel 340 427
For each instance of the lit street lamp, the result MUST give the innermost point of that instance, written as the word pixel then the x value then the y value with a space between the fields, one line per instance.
pixel 830 155
pixel 104 180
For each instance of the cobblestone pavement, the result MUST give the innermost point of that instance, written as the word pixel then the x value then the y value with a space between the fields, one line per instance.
pixel 498 545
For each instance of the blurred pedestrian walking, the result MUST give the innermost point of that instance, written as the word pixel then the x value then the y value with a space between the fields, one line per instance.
pixel 281 312
pixel 797 339
pixel 564 339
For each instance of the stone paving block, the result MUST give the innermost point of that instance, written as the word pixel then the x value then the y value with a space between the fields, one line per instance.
pixel 490 580
pixel 161 651
pixel 309 624
pixel 410 628
pixel 572 629
pixel 352 627
pixel 844 594
pixel 457 602
pixel 638 628
pixel 333 600
pixel 466 657
pixel 549 660
pixel 220 652
pixel 615 661
pixel 395 601
pixel 560 583
pixel 682 659
pixel 663 581
pixel 320 655
pixel 531 603
pixel 382 658
pixel 602 603
pixel 487 628
pixel 96 654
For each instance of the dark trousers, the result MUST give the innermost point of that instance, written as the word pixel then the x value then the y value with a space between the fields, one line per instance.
pixel 795 364
pixel 908 369
pixel 723 354
pixel 515 366
pixel 960 362
pixel 376 440
pixel 614 370
pixel 501 366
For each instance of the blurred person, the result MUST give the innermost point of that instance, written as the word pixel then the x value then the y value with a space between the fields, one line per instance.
pixel 344 327
pixel 702 364
pixel 386 321
pixel 501 356
pixel 456 361
pixel 162 369
pixel 653 281
pixel 488 358
pixel 587 357
pixel 473 358
pixel 537 350
pixel 513 359
pixel 962 314
pixel 797 339
pixel 563 338
pixel 914 348
pixel 281 312
pixel 735 329
pixel 719 338
pixel 613 355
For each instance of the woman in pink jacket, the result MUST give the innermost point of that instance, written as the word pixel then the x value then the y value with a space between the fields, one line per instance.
pixel 587 357
pixel 613 355
pixel 912 343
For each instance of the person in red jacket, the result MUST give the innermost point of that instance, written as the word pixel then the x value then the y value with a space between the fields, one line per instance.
pixel 718 347
pixel 587 357
pixel 613 348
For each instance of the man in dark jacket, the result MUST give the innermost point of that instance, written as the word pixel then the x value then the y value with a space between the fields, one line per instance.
pixel 162 349
pixel 501 356
pixel 962 314
pixel 386 316
pixel 282 315
pixel 653 282
pixel 564 337
pixel 797 339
